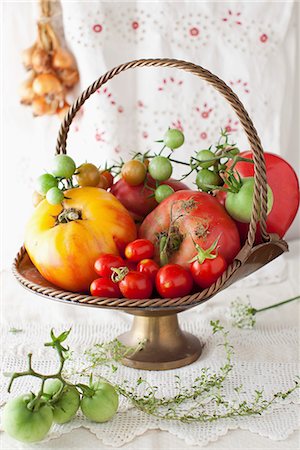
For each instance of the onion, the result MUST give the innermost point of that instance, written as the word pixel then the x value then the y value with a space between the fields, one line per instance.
pixel 27 57
pixel 41 107
pixel 69 77
pixel 41 60
pixel 62 59
pixel 46 83
pixel 26 91
pixel 61 112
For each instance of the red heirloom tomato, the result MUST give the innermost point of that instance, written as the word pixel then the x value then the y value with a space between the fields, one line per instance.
pixel 283 181
pixel 173 281
pixel 149 267
pixel 187 218
pixel 105 262
pixel 105 287
pixel 139 249
pixel 139 200
pixel 136 285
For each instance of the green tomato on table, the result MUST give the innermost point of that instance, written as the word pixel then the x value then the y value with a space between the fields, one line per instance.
pixel 25 424
pixel 65 400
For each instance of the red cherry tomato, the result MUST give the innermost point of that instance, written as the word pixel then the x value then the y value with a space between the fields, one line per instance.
pixel 139 249
pixel 136 285
pixel 105 287
pixel 149 267
pixel 109 178
pixel 206 273
pixel 172 281
pixel 105 262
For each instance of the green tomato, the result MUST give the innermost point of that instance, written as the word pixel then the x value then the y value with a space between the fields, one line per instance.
pixel 173 138
pixel 239 205
pixel 65 402
pixel 103 404
pixel 203 156
pixel 63 166
pixel 54 196
pixel 45 182
pixel 160 168
pixel 163 191
pixel 206 180
pixel 23 424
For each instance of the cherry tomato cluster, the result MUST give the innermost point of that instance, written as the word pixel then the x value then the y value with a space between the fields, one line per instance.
pixel 138 275
pixel 52 185
pixel 160 168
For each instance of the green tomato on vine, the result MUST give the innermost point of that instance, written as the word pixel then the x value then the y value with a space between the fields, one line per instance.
pixel 45 182
pixel 160 168
pixel 63 166
pixel 163 191
pixel 173 138
pixel 24 423
pixel 101 404
pixel 54 196
pixel 207 180
pixel 65 400
pixel 203 157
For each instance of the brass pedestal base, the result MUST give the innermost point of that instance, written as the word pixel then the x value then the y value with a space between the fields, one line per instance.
pixel 166 346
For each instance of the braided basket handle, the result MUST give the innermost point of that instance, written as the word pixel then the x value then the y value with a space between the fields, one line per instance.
pixel 259 210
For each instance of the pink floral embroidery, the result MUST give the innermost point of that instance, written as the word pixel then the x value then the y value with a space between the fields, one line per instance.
pixel 205 112
pixel 177 125
pixel 140 104
pixel 117 149
pixel 120 109
pixel 232 17
pixel 99 136
pixel 169 80
pixel 203 135
pixel 241 84
pixel 97 28
pixel 145 134
pixel 107 94
pixel 194 31
pixel 231 126
pixel 135 25
pixel 263 38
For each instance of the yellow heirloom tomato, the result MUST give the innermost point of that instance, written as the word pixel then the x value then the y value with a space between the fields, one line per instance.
pixel 63 241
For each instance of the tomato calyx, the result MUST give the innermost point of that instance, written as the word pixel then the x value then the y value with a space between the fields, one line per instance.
pixel 119 273
pixel 69 215
pixel 202 255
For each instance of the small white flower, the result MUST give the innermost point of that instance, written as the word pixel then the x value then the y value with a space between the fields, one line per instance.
pixel 242 314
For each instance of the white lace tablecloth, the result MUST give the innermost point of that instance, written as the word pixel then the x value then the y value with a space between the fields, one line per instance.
pixel 266 357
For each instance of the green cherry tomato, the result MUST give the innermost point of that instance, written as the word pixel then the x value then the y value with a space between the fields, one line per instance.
pixel 23 424
pixel 203 156
pixel 160 168
pixel 206 180
pixel 63 166
pixel 64 400
pixel 45 182
pixel 102 405
pixel 239 205
pixel 54 196
pixel 173 138
pixel 163 191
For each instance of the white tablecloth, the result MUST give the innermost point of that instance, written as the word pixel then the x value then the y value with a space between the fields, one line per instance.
pixel 20 306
